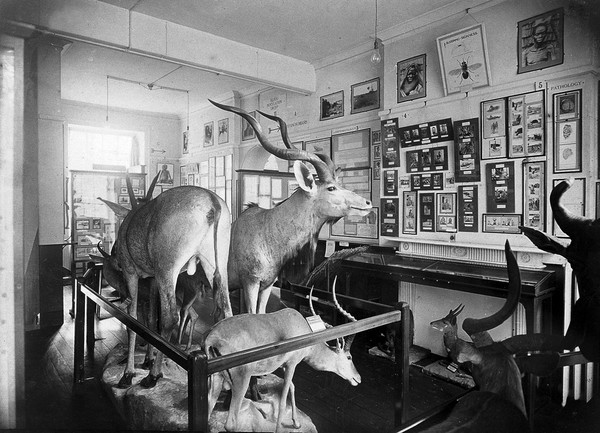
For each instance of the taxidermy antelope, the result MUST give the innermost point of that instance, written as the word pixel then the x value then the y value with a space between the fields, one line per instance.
pixel 168 235
pixel 499 398
pixel 246 331
pixel 264 240
pixel 583 253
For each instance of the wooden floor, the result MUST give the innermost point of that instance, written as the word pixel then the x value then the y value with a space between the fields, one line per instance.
pixel 332 403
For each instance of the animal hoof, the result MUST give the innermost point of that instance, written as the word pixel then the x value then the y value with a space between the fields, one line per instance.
pixel 150 380
pixel 125 381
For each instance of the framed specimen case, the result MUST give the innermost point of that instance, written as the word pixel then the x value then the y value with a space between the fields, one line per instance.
pixel 567 132
pixel 493 129
pixel 527 117
pixel 534 195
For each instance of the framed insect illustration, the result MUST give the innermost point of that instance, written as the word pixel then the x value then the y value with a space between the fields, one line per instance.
pixel 464 60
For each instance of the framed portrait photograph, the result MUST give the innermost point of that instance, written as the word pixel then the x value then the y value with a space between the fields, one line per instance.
pixel 445 212
pixel 223 131
pixel 365 96
pixel 247 130
pixel 534 195
pixel 464 60
pixel 540 41
pixel 208 134
pixel 332 106
pixel 411 78
pixel 502 223
pixel 166 174
pixel 410 207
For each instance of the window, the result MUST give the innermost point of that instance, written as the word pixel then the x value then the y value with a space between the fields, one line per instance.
pixel 104 149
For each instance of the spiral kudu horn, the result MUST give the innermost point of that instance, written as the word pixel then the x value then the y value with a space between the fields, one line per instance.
pixel 290 154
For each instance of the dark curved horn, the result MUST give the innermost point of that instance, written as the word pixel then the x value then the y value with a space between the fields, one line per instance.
pixel 104 253
pixel 474 326
pixel 323 171
pixel 152 185
pixel 132 199
pixel 570 223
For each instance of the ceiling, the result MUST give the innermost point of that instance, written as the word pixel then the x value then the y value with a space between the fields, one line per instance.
pixel 307 30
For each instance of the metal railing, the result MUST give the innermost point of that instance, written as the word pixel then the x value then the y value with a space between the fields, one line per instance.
pixel 199 367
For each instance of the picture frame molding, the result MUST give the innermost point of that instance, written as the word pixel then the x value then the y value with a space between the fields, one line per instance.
pixel 322 116
pixel 353 89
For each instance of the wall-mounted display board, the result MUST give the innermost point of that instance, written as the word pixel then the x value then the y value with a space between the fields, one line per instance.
pixel 358 181
pixel 445 212
pixel 320 145
pixel 390 182
pixel 389 220
pixel 526 114
pixel 390 152
pixel 426 133
pixel 467 208
pixel 493 129
pixel 434 159
pixel 352 149
pixel 427 211
pixel 426 181
pixel 573 199
pixel 500 180
pixel 410 212
pixel 466 150
pixel 358 226
pixel 534 195
pixel 567 132
pixel 502 223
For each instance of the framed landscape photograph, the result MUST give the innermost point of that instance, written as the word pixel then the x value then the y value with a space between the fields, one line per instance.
pixel 540 41
pixel 365 96
pixel 411 78
pixel 464 59
pixel 501 223
pixel 332 105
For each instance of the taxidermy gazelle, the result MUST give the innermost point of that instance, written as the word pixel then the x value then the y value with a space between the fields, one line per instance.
pixel 497 373
pixel 171 234
pixel 264 240
pixel 246 331
pixel 583 254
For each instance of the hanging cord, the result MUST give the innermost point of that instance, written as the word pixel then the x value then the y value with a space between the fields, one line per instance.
pixel 107 98
pixel 188 111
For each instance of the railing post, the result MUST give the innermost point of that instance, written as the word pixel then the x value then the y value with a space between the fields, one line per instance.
pixel 198 392
pixel 401 364
pixel 78 373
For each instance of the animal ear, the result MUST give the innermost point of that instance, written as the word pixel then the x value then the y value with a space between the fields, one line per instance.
pixel 304 177
pixel 469 353
pixel 119 210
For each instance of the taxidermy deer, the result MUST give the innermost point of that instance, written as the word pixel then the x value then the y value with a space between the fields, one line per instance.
pixel 583 254
pixel 499 398
pixel 173 233
pixel 264 240
pixel 246 331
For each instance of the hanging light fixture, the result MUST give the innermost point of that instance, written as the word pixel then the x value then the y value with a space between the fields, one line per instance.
pixel 377 46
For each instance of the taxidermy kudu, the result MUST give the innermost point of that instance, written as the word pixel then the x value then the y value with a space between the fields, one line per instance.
pixel 171 234
pixel 263 241
pixel 583 254
pixel 499 399
pixel 247 331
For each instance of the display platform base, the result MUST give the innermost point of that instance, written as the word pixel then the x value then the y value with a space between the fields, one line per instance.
pixel 164 407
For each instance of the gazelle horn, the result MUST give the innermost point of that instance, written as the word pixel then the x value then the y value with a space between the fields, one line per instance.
pixel 350 338
pixel 104 253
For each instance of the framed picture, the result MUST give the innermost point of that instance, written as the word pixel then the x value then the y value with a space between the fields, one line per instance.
pixel 534 195
pixel 366 227
pixel 573 199
pixel 365 96
pixel 208 134
pixel 186 141
pixel 376 137
pixel 540 41
pixel 223 132
pixel 410 206
pixel 501 223
pixel 567 132
pixel 411 78
pixel 464 60
pixel 493 129
pixel 376 152
pixel 166 175
pixel 247 130
pixel 445 212
pixel 467 208
pixel 332 105
pixel 351 149
pixel 82 224
pixel 526 131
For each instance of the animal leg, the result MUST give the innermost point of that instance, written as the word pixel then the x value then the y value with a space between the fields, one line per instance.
pixel 238 389
pixel 193 319
pixel 294 410
pixel 251 296
pixel 215 386
pixel 288 373
pixel 168 319
pixel 263 299
pixel 126 379
pixel 151 310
